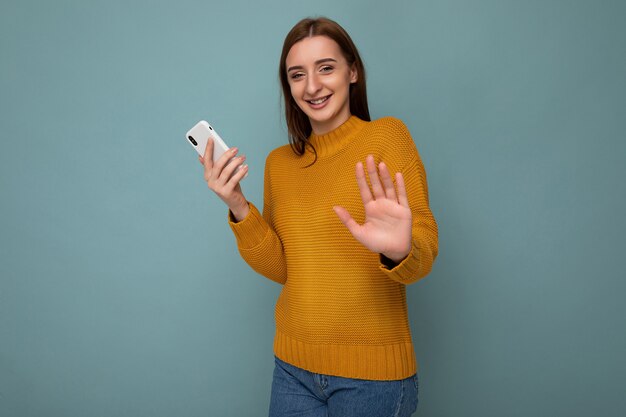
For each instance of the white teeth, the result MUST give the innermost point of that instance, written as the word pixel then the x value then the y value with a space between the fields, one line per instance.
pixel 320 101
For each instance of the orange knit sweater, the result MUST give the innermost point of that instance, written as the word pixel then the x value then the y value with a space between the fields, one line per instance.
pixel 341 311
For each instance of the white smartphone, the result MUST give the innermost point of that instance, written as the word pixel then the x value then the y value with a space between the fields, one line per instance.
pixel 199 135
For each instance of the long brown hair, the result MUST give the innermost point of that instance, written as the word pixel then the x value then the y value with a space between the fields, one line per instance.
pixel 298 124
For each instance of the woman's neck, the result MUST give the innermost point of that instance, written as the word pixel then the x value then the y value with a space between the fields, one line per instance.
pixel 321 128
pixel 335 140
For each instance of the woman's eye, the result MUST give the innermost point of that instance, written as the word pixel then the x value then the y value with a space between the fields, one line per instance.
pixel 326 69
pixel 296 76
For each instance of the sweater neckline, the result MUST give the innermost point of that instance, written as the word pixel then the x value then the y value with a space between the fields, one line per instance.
pixel 334 141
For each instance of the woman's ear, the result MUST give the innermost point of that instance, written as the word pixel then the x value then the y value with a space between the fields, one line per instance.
pixel 354 75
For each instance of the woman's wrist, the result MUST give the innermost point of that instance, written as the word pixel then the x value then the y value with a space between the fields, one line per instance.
pixel 240 212
pixel 397 257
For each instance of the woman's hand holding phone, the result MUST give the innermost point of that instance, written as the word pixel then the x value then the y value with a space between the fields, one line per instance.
pixel 223 177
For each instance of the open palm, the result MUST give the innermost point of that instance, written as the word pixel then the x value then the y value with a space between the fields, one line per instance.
pixel 387 226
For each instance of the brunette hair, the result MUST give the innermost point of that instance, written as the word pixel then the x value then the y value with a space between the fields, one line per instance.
pixel 298 124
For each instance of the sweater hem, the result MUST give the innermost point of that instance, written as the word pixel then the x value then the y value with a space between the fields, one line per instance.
pixel 373 362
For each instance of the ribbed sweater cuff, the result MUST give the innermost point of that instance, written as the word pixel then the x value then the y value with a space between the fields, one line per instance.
pixel 250 231
pixel 406 271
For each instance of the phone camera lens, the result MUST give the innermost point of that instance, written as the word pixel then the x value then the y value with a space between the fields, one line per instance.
pixel 192 140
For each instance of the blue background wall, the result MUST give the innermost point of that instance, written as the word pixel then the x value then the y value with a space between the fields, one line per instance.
pixel 121 290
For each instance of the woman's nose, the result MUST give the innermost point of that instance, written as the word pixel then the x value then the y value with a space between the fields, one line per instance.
pixel 313 85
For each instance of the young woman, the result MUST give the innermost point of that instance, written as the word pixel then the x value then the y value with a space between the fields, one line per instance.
pixel 343 249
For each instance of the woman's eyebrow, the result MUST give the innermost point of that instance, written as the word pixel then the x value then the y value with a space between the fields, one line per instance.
pixel 319 61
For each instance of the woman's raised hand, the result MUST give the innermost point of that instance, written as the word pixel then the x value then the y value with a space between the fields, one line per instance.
pixel 223 178
pixel 388 219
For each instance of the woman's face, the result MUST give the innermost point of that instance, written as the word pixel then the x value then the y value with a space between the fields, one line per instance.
pixel 320 77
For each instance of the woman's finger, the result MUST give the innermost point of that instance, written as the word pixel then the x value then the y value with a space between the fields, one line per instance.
pixel 239 175
pixel 231 166
pixel 349 222
pixel 364 189
pixel 385 177
pixel 222 161
pixel 208 155
pixel 402 196
pixel 377 188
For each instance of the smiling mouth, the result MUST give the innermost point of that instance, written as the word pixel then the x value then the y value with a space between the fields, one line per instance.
pixel 319 100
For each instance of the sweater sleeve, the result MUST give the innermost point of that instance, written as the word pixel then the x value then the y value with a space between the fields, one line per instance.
pixel 258 243
pixel 424 244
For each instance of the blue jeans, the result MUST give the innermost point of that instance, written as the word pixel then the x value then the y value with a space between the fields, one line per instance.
pixel 296 392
